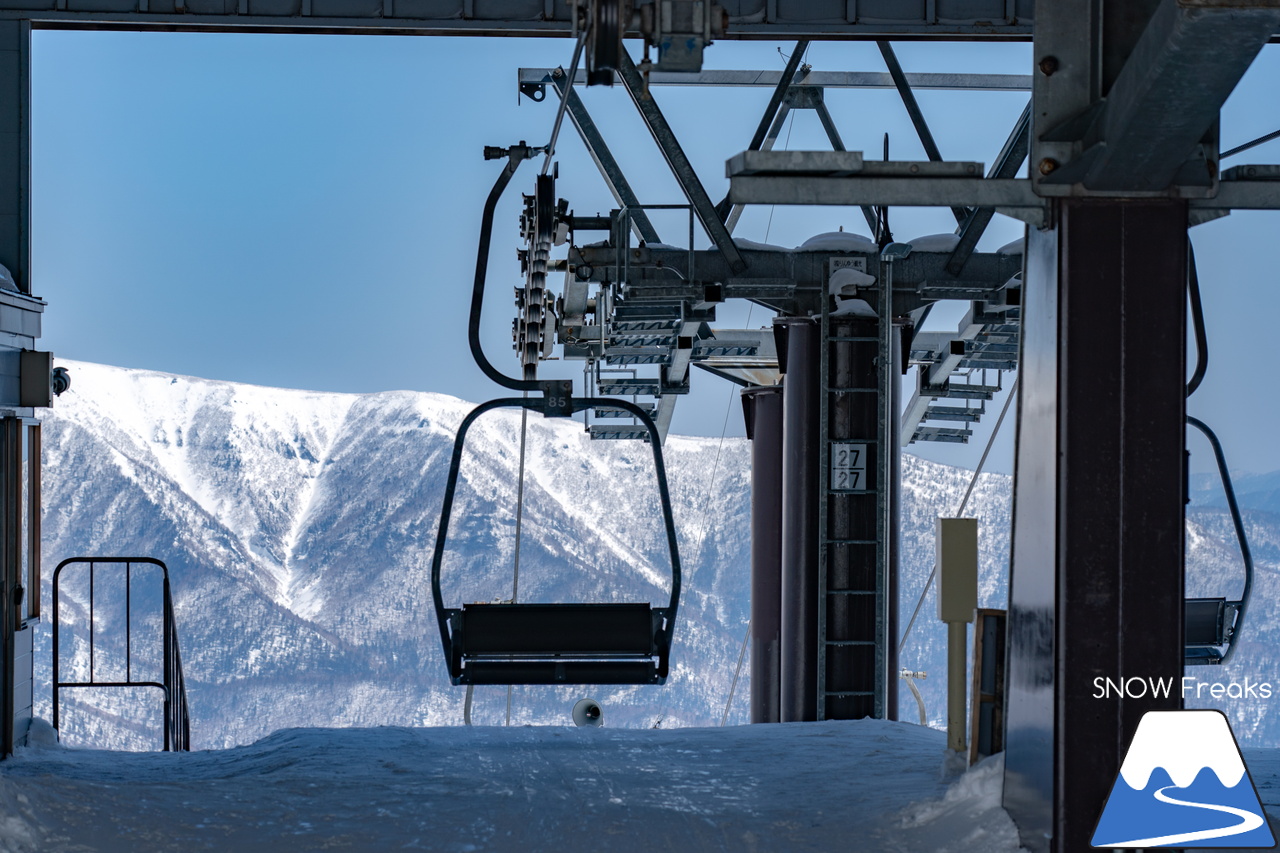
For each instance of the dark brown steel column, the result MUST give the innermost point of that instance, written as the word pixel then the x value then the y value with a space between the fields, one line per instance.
pixel 15 129
pixel 762 407
pixel 15 134
pixel 1096 587
pixel 800 465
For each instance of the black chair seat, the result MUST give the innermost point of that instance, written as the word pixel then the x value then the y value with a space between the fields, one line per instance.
pixel 1210 625
pixel 1205 623
pixel 558 644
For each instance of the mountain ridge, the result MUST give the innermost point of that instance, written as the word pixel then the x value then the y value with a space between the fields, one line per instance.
pixel 299 527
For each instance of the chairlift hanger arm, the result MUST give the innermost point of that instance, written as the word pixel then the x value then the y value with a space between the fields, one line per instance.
pixel 515 155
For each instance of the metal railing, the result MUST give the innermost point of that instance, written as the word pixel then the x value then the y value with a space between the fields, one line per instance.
pixel 177 722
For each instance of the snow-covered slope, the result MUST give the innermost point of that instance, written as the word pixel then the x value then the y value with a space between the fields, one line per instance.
pixel 299 529
pixel 866 785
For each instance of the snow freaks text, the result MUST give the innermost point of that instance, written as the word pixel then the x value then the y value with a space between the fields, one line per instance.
pixel 1137 687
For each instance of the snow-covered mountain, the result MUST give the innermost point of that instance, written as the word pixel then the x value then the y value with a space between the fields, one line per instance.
pixel 299 527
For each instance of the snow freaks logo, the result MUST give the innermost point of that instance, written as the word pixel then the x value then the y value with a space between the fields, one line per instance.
pixel 1183 781
pixel 1137 687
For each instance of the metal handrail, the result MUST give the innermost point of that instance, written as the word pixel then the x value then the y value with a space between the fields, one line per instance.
pixel 177 719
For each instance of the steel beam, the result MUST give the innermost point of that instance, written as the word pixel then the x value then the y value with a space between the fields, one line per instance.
pixel 799 338
pixel 1172 86
pixel 775 112
pixel 790 75
pixel 785 20
pixel 1012 193
pixel 1096 587
pixel 15 155
pixel 1006 166
pixel 762 408
pixel 603 158
pixel 944 81
pixel 1242 195
pixel 901 83
pixel 679 162
pixel 1165 98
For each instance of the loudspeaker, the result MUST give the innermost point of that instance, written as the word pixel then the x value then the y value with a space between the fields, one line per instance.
pixel 588 713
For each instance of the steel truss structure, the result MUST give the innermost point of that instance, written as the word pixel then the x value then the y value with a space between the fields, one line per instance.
pixel 851 307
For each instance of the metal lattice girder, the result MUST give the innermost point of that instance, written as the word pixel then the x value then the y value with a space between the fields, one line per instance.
pixel 615 412
pixel 795 281
pixel 958 414
pixel 775 112
pixel 789 76
pixel 916 115
pixel 679 162
pixel 965 391
pixel 626 387
pixel 604 160
pixel 946 435
pixel 618 432
pixel 946 356
pixel 1006 166
pixel 785 20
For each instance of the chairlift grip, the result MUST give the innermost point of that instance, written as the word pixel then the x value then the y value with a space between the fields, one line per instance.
pixel 515 155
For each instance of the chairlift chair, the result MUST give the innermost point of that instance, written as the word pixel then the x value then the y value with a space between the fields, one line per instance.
pixel 542 642
pixel 556 643
pixel 1212 625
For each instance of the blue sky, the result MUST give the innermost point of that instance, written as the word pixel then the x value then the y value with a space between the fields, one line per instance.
pixel 302 211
